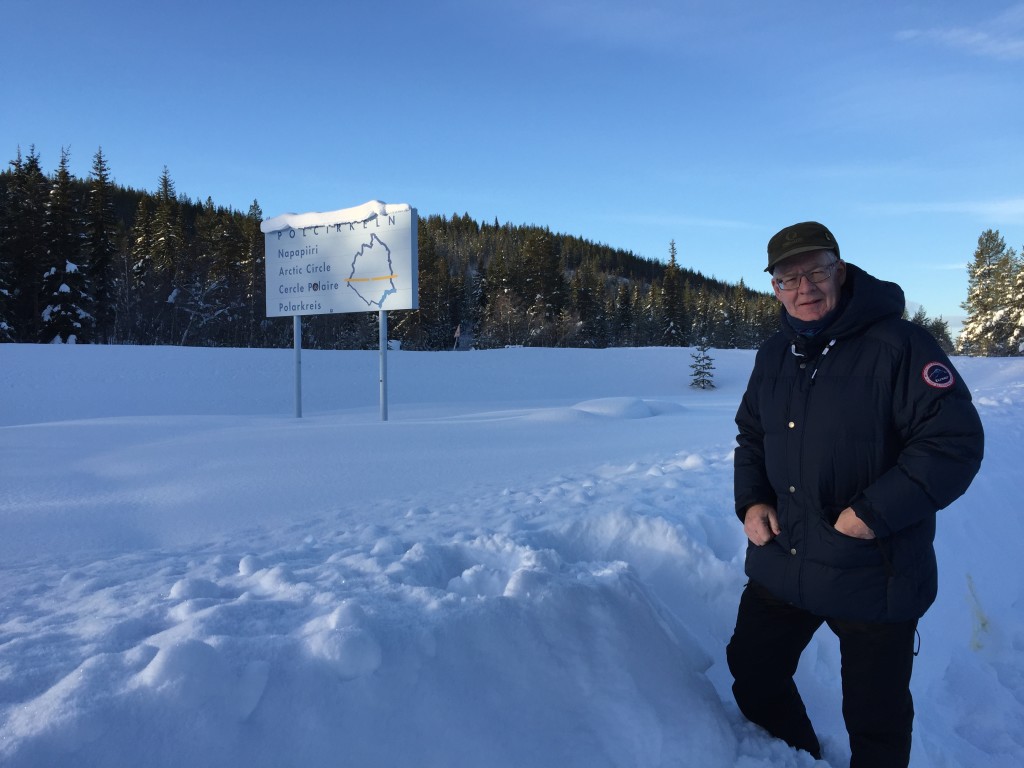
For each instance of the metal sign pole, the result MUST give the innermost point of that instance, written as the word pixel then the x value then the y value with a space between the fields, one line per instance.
pixel 349 260
pixel 297 332
pixel 383 323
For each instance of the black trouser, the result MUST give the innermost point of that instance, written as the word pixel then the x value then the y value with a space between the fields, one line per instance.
pixel 877 660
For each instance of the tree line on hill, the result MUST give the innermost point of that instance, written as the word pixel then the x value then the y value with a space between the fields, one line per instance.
pixel 89 261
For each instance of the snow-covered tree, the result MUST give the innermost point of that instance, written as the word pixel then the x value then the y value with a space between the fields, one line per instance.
pixel 205 299
pixel 66 315
pixel 989 325
pixel 1016 342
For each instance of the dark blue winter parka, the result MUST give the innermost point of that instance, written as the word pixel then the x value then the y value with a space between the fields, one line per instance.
pixel 869 413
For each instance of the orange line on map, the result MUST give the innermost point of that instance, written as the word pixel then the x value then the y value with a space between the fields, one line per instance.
pixel 368 279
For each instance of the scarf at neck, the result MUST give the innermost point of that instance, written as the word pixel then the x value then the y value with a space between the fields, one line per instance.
pixel 810 328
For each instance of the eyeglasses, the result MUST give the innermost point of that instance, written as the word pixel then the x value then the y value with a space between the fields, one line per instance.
pixel 792 282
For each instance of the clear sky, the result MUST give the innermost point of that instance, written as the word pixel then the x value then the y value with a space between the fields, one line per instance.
pixel 897 123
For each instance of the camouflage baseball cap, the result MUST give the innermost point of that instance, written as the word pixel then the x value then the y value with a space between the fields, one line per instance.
pixel 799 238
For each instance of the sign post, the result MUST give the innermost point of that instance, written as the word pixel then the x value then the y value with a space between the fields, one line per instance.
pixel 360 259
pixel 297 336
pixel 383 337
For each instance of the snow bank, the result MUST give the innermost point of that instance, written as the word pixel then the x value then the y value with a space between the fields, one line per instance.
pixel 535 562
pixel 358 213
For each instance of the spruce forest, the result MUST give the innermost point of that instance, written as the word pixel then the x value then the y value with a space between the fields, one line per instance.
pixel 89 261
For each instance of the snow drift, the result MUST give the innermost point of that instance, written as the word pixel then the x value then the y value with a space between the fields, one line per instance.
pixel 534 562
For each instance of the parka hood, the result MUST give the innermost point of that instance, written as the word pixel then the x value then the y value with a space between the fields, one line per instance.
pixel 864 301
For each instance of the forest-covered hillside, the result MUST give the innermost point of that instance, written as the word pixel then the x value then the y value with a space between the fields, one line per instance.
pixel 89 261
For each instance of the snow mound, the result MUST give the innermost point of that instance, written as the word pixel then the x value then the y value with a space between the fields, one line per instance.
pixel 606 408
pixel 492 578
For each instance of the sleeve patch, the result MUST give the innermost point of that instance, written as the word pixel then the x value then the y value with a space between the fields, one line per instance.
pixel 938 375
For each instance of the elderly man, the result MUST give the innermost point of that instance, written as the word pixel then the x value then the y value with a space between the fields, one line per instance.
pixel 854 430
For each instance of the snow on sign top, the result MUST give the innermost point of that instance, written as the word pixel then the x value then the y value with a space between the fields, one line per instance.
pixel 359 259
pixel 343 216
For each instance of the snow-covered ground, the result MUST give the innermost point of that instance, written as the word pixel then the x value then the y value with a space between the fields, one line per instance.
pixel 533 562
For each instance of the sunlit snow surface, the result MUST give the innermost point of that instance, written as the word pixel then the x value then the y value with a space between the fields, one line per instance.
pixel 533 562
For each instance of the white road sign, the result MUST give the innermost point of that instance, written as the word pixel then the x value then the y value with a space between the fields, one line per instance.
pixel 361 259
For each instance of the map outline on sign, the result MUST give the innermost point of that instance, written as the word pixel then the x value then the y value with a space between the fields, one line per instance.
pixel 389 274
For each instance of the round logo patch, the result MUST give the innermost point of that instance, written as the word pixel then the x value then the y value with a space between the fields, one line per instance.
pixel 938 375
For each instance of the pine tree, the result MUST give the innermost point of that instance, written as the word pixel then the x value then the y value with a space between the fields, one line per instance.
pixel 764 320
pixel 738 311
pixel 703 315
pixel 587 301
pixel 101 245
pixel 937 327
pixel 1016 318
pixel 206 299
pixel 988 328
pixel 6 276
pixel 66 316
pixel 6 329
pixel 254 271
pixel 431 326
pixel 720 328
pixel 543 287
pixel 166 228
pixel 505 324
pixel 624 323
pixel 136 290
pixel 167 257
pixel 654 314
pixel 472 307
pixel 122 293
pixel 24 241
pixel 499 274
pixel 702 366
pixel 505 317
pixel 675 331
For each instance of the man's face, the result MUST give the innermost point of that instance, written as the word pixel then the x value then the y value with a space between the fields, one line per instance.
pixel 809 301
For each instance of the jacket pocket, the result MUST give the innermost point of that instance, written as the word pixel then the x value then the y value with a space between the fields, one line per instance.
pixel 841 551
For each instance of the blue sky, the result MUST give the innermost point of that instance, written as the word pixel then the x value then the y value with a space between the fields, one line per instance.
pixel 897 124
